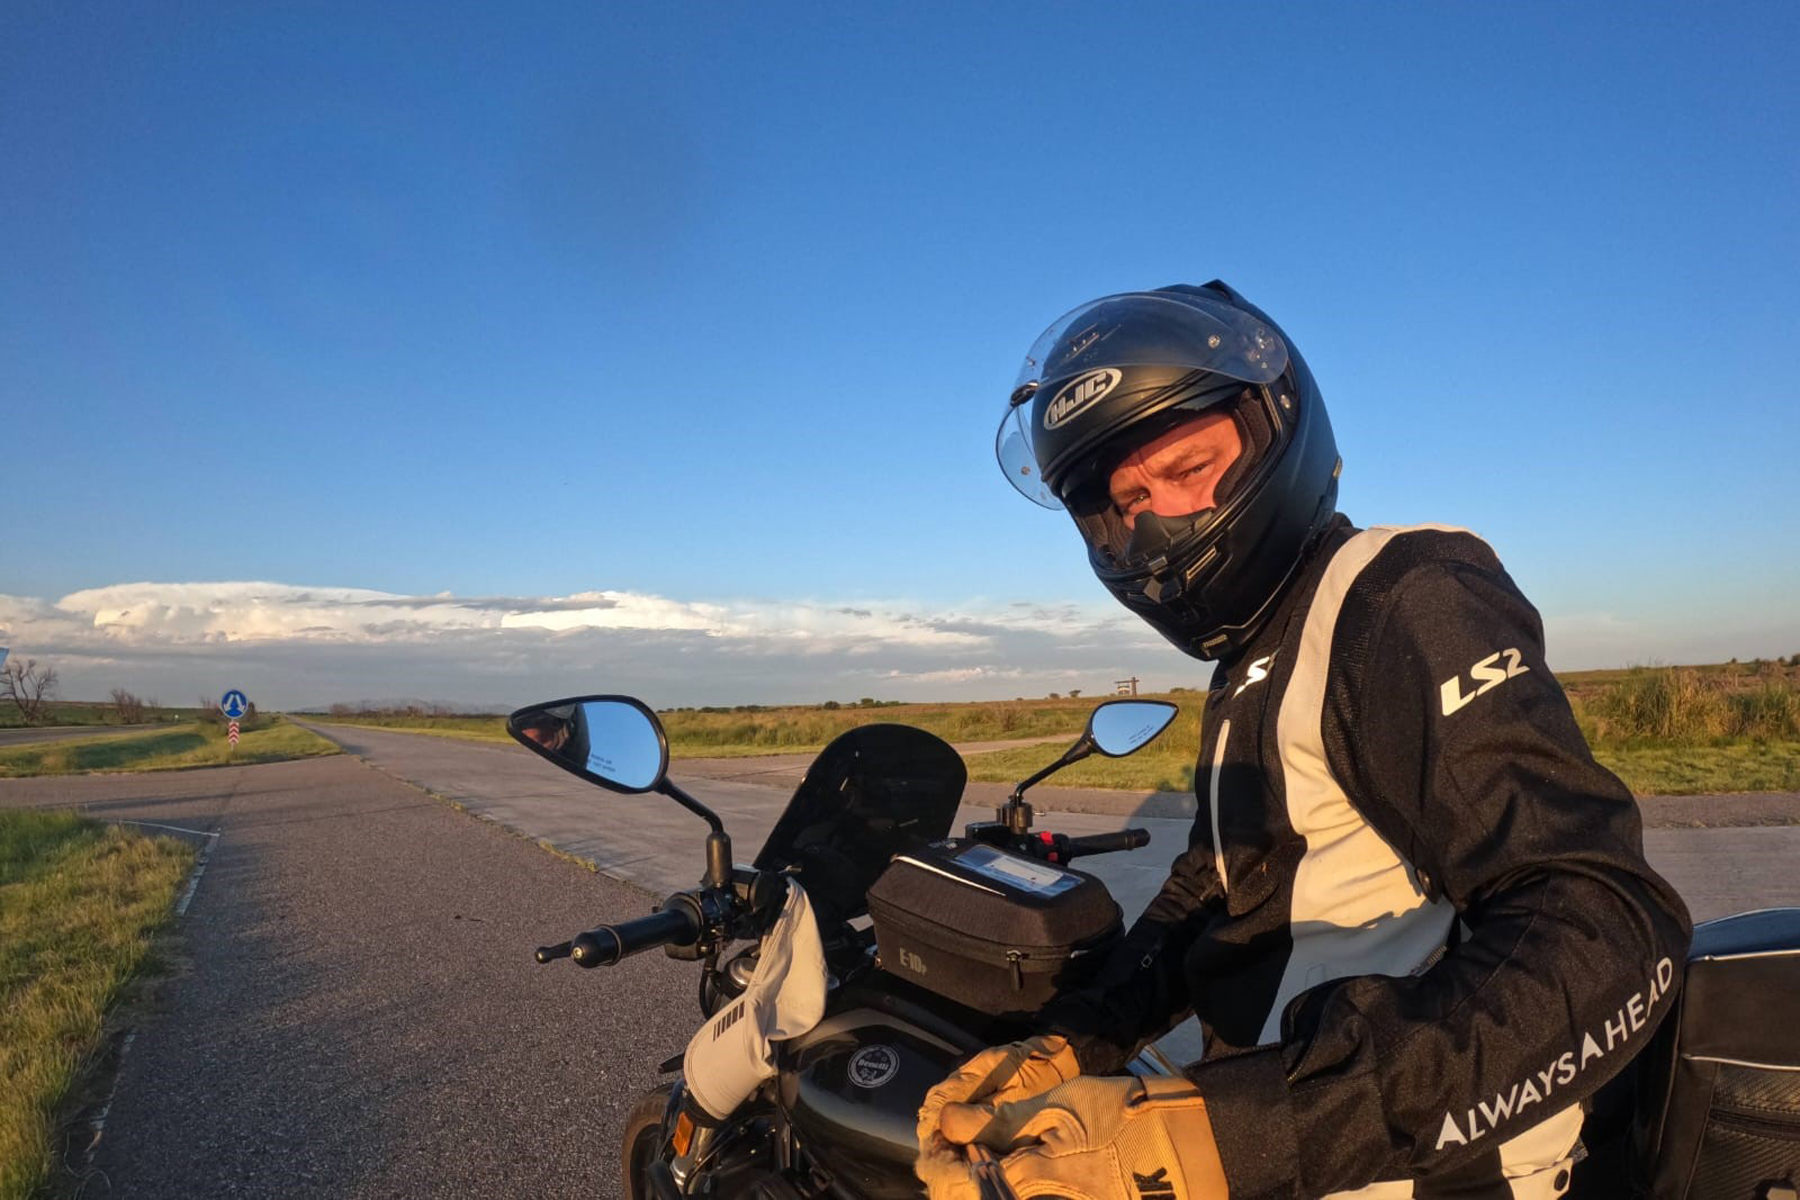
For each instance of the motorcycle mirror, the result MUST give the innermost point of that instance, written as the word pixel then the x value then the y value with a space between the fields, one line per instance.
pixel 1115 728
pixel 614 741
pixel 1121 727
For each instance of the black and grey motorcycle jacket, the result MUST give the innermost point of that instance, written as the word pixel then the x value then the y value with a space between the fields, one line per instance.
pixel 1414 916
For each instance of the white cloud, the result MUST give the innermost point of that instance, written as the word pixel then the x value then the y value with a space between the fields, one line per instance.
pixel 305 645
pixel 292 645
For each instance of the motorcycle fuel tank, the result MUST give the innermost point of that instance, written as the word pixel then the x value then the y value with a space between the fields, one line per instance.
pixel 852 1087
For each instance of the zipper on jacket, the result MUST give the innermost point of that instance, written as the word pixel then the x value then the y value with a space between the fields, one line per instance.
pixel 1755 1123
pixel 1218 843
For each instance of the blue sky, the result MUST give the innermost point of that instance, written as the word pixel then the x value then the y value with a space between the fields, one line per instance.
pixel 707 313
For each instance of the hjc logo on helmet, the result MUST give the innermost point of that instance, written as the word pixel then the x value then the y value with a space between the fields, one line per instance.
pixel 1079 393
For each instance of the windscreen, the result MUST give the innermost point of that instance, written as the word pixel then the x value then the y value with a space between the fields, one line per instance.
pixel 875 791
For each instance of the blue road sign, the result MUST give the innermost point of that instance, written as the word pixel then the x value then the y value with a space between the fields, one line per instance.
pixel 234 704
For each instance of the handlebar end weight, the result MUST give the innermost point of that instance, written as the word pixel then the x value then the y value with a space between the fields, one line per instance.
pixel 595 948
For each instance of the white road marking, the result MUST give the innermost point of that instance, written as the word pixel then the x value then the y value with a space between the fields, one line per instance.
pixel 98 1124
pixel 176 828
pixel 194 879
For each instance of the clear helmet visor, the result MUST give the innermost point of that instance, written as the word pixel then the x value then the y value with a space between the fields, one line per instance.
pixel 1132 329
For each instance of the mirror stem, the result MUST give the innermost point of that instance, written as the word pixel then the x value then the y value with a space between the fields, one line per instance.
pixel 1015 814
pixel 668 788
pixel 718 842
pixel 718 859
pixel 1074 754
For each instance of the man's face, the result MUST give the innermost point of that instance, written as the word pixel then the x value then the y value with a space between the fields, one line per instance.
pixel 1175 474
pixel 548 736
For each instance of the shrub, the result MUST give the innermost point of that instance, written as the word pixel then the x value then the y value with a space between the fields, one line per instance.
pixel 1680 706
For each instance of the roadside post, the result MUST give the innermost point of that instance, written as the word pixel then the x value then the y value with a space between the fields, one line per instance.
pixel 234 704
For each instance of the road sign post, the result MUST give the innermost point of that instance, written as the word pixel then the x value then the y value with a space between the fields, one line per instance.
pixel 235 705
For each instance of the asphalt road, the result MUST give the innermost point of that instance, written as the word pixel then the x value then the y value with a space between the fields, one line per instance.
pixel 1746 861
pixel 653 842
pixel 356 1012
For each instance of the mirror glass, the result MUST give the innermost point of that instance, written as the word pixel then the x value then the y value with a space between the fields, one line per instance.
pixel 1121 727
pixel 613 739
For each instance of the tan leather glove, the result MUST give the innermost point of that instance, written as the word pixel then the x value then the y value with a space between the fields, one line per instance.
pixel 1001 1075
pixel 1111 1138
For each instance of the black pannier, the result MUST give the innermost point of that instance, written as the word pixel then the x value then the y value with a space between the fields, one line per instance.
pixel 995 931
pixel 1719 1091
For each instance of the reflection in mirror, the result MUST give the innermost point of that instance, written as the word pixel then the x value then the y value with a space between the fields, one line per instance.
pixel 613 739
pixel 1121 727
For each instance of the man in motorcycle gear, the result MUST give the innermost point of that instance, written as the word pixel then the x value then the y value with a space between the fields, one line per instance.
pixel 1414 916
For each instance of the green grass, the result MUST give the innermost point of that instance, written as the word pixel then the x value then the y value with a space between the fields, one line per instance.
pixel 469 729
pixel 1167 765
pixel 200 744
pixel 77 713
pixel 1731 727
pixel 1688 707
pixel 793 730
pixel 79 905
pixel 1697 770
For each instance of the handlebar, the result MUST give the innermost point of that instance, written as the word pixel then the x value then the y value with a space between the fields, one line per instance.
pixel 1107 843
pixel 608 944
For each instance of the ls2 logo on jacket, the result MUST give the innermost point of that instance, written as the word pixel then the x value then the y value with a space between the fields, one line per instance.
pixel 1488 674
pixel 1259 671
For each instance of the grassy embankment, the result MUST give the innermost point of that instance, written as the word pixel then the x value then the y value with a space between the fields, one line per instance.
pixel 79 905
pixel 67 712
pixel 197 744
pixel 740 733
pixel 1664 730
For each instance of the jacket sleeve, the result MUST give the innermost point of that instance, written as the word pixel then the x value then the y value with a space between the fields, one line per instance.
pixel 1140 992
pixel 1445 725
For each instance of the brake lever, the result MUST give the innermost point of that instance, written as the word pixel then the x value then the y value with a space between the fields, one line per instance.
pixel 989 1178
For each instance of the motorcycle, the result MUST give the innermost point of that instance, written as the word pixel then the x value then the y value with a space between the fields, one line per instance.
pixel 823 1033
pixel 880 951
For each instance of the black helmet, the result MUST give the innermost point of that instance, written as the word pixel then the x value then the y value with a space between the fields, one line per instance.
pixel 1120 371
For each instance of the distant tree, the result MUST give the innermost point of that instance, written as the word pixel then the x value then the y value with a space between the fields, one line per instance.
pixel 129 708
pixel 866 702
pixel 1056 695
pixel 29 686
pixel 831 705
pixel 1074 693
pixel 340 709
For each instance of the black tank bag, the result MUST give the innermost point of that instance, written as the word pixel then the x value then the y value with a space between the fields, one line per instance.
pixel 999 933
pixel 1719 1105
